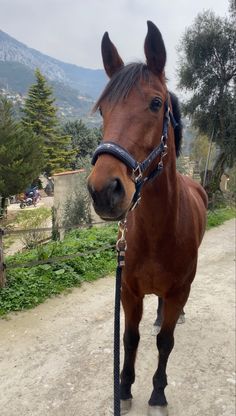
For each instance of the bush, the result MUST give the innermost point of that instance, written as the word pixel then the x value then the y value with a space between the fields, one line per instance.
pixel 77 208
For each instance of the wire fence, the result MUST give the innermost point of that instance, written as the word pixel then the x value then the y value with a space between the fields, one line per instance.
pixel 9 231
pixel 51 259
pixel 57 259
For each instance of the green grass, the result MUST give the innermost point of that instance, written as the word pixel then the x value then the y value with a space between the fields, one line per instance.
pixel 33 217
pixel 28 287
pixel 8 241
pixel 219 216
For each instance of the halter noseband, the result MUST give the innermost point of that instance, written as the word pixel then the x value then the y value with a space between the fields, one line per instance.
pixel 138 168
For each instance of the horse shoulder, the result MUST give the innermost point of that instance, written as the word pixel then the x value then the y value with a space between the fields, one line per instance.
pixel 193 204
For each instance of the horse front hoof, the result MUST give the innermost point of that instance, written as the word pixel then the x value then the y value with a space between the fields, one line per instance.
pixel 157 411
pixel 125 406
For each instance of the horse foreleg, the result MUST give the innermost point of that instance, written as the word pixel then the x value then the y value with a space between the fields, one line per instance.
pixel 172 308
pixel 133 308
pixel 158 322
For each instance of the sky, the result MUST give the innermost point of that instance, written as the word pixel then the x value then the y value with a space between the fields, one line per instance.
pixel 71 30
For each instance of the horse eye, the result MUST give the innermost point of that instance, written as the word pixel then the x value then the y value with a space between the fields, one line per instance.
pixel 155 104
pixel 100 111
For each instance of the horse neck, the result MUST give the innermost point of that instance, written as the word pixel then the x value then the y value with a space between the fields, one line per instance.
pixel 160 197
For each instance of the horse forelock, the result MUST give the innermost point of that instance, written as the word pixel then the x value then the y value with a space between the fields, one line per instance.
pixel 122 82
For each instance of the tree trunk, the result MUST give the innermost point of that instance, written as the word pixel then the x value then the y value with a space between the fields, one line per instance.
pixel 218 171
pixel 212 186
pixel 2 264
pixel 3 208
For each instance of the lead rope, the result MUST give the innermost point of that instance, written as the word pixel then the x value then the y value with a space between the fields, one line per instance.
pixel 121 248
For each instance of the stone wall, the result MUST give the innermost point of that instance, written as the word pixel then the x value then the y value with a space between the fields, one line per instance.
pixel 68 186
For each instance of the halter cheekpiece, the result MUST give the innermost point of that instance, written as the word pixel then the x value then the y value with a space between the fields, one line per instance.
pixel 138 168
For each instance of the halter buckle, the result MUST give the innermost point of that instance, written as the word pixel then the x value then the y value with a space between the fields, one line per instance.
pixel 164 141
pixel 137 174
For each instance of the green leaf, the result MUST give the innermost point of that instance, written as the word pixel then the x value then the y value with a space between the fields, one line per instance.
pixel 61 271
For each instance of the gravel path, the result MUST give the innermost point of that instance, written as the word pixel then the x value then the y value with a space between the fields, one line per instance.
pixel 56 360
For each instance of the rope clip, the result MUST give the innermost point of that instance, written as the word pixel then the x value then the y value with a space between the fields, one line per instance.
pixel 121 244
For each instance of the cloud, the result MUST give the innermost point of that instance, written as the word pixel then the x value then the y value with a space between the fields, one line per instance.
pixel 71 30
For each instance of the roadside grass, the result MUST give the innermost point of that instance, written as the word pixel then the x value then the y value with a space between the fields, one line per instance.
pixel 8 241
pixel 26 219
pixel 28 287
pixel 32 217
pixel 219 216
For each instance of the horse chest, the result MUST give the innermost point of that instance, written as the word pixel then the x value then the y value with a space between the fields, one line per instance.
pixel 148 275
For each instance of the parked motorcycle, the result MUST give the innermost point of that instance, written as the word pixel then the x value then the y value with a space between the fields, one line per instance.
pixel 27 202
pixel 30 197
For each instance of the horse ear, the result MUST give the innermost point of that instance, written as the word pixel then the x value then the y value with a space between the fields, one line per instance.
pixel 111 59
pixel 154 49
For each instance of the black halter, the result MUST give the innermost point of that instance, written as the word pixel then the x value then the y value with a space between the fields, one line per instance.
pixel 138 168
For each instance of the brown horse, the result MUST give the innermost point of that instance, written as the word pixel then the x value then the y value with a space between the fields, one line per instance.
pixel 166 227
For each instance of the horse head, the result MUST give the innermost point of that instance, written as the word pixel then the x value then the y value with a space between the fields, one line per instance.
pixel 133 106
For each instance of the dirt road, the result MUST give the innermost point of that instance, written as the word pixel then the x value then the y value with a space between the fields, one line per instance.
pixel 56 360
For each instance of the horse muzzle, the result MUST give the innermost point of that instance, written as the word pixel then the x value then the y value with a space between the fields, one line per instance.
pixel 108 200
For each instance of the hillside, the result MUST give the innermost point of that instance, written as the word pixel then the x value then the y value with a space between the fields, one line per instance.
pixel 75 88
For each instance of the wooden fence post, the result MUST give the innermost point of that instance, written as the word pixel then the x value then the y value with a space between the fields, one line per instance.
pixel 2 264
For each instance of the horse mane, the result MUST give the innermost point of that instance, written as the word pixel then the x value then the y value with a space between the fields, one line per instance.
pixel 120 85
pixel 179 128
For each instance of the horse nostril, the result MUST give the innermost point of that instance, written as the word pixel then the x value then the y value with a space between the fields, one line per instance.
pixel 116 186
pixel 115 191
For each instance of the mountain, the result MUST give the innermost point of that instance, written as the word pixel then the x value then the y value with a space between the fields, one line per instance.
pixel 74 87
